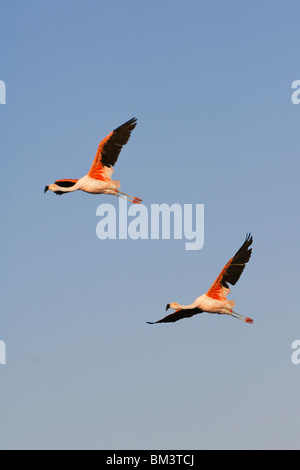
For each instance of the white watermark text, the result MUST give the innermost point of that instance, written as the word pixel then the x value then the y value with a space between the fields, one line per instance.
pixel 2 92
pixel 160 221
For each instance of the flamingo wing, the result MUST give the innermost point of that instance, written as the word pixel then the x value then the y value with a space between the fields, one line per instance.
pixel 66 183
pixel 178 315
pixel 109 149
pixel 232 271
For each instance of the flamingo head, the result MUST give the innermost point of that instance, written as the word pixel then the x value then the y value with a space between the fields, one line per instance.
pixel 52 187
pixel 173 305
pixel 55 188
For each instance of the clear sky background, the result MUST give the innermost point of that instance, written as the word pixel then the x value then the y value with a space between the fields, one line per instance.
pixel 210 84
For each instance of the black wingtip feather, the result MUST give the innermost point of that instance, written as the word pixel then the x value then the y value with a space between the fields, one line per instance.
pixel 238 262
pixel 114 145
pixel 178 315
pixel 65 183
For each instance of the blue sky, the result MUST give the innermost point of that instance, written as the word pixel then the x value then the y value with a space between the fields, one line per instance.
pixel 210 84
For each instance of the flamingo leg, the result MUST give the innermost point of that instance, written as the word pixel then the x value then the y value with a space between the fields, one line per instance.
pixel 122 197
pixel 238 314
pixel 134 200
pixel 234 316
pixel 240 317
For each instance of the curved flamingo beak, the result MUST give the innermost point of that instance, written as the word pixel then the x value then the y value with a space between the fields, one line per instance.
pixel 167 307
pixel 46 189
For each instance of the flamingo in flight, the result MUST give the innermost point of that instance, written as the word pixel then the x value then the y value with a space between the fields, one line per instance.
pixel 98 180
pixel 215 300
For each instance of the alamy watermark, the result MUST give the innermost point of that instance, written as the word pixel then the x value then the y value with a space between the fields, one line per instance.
pixel 160 221
pixel 2 344
pixel 296 94
pixel 2 353
pixel 2 92
pixel 296 353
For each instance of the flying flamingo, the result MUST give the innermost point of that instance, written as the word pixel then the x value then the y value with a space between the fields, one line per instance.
pixel 215 300
pixel 98 180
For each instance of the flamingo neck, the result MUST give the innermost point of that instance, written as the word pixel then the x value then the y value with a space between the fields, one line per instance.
pixel 187 307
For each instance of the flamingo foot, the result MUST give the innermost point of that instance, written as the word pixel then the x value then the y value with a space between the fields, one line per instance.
pixel 136 200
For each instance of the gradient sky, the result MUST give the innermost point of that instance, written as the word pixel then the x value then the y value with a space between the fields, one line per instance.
pixel 210 84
